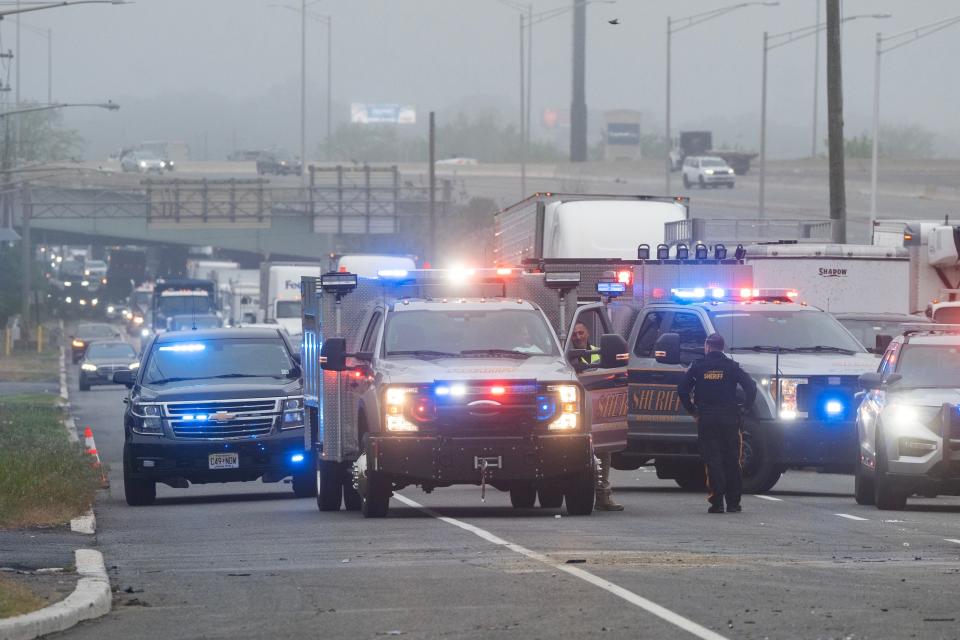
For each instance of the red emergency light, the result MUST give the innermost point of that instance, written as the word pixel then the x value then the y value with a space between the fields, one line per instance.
pixel 625 277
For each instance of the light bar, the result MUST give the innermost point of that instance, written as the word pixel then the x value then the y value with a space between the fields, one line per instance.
pixel 562 279
pixel 183 347
pixel 392 274
pixel 338 282
pixel 504 271
pixel 697 293
pixel 612 289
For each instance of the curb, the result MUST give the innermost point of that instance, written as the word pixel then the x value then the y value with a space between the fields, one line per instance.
pixel 68 422
pixel 90 599
pixel 86 524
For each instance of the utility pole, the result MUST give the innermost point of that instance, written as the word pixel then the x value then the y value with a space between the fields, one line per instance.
pixel 762 207
pixel 816 84
pixel 329 80
pixel 523 120
pixel 432 158
pixel 303 92
pixel 838 196
pixel 578 108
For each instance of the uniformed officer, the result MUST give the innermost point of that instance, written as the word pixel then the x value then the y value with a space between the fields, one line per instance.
pixel 713 381
pixel 605 502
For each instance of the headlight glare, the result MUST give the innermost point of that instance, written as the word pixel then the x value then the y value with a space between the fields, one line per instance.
pixel 86 366
pixel 395 401
pixel 568 418
pixel 786 397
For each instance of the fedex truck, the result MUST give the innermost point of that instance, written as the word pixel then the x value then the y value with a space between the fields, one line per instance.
pixel 280 292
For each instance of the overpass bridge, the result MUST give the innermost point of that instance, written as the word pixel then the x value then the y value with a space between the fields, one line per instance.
pixel 339 209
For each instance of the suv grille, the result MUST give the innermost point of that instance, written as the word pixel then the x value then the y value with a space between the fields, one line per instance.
pixel 222 419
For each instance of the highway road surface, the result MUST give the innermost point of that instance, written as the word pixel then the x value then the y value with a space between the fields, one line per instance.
pixel 251 561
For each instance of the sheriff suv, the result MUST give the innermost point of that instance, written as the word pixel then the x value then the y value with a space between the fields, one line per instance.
pixel 908 423
pixel 707 171
pixel 220 405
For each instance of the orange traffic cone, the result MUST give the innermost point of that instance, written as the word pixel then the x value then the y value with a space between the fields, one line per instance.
pixel 91 450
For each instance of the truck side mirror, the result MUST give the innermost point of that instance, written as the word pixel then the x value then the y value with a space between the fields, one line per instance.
pixel 613 351
pixel 881 342
pixel 666 349
pixel 124 377
pixel 871 381
pixel 333 354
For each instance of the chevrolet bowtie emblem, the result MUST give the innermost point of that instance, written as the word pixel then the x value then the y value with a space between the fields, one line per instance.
pixel 223 416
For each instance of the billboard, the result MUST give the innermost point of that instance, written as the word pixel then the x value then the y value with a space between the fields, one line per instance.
pixel 366 113
pixel 625 133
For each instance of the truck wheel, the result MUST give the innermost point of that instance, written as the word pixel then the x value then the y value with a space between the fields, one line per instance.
pixel 686 182
pixel 351 498
pixel 376 502
pixel 329 491
pixel 886 495
pixel 304 484
pixel 703 185
pixel 138 493
pixel 692 477
pixel 863 490
pixel 580 493
pixel 550 497
pixel 84 386
pixel 523 496
pixel 759 469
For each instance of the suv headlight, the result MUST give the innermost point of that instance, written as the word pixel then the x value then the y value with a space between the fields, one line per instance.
pixel 292 413
pixel 903 418
pixel 395 403
pixel 785 398
pixel 709 172
pixel 568 411
pixel 86 366
pixel 147 420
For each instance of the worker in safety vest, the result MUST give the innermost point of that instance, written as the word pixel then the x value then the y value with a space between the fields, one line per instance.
pixel 581 340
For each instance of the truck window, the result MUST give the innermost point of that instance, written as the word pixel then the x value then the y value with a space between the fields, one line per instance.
pixel 649 332
pixel 370 337
pixel 595 327
pixel 692 335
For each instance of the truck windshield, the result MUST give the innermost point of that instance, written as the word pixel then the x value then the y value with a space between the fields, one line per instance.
pixel 222 358
pixel 288 308
pixel 929 366
pixel 713 162
pixel 808 330
pixel 469 333
pixel 184 305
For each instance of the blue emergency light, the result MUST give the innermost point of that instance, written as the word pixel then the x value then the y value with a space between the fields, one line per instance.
pixel 297 458
pixel 611 289
pixel 392 274
pixel 183 347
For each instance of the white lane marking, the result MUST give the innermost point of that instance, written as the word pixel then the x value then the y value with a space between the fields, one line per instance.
pixel 770 498
pixel 953 540
pixel 850 517
pixel 649 606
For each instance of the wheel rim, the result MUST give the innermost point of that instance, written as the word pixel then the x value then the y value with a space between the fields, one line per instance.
pixel 750 460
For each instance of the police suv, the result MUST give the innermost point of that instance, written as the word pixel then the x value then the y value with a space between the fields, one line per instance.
pixel 436 378
pixel 908 425
pixel 805 363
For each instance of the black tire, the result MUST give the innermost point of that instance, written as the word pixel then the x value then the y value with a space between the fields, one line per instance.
pixel 580 492
pixel 686 182
pixel 760 470
pixel 693 478
pixel 550 497
pixel 84 386
pixel 304 484
pixel 376 502
pixel 863 489
pixel 729 185
pixel 523 496
pixel 138 492
pixel 329 485
pixel 351 498
pixel 703 185
pixel 886 495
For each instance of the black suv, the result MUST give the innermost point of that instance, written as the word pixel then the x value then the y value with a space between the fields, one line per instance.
pixel 280 163
pixel 222 405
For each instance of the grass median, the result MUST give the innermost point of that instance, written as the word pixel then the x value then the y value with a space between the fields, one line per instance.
pixel 16 599
pixel 28 366
pixel 45 479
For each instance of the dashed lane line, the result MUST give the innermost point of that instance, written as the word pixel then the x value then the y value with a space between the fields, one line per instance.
pixel 850 517
pixel 649 606
pixel 770 498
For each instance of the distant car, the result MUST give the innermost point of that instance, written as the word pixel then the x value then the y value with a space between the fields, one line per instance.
pixel 103 359
pixel 88 333
pixel 875 330
pixel 144 162
pixel 707 171
pixel 458 162
pixel 117 312
pixel 280 163
pixel 908 423
pixel 187 322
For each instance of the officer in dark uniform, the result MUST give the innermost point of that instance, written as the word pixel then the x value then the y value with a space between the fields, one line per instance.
pixel 713 381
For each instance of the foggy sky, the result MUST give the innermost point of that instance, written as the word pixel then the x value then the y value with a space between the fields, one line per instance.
pixel 229 69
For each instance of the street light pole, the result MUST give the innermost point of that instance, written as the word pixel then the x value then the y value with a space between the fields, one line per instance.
pixel 329 21
pixel 679 24
pixel 303 92
pixel 523 119
pixel 816 86
pixel 893 42
pixel 762 205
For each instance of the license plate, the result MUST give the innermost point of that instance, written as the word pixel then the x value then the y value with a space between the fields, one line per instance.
pixel 224 461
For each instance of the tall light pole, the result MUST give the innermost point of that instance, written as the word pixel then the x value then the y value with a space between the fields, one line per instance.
pixel 885 45
pixel 816 85
pixel 771 42
pixel 680 24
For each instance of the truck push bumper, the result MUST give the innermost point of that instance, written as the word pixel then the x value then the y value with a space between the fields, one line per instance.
pixel 447 460
pixel 816 443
